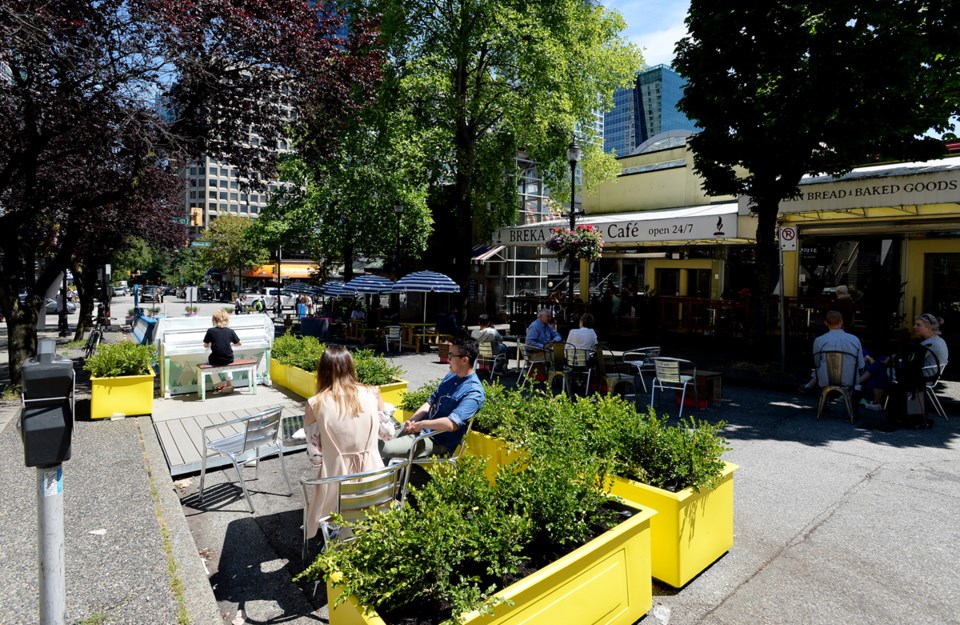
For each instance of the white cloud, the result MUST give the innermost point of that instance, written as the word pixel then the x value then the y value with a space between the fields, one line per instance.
pixel 658 46
pixel 654 25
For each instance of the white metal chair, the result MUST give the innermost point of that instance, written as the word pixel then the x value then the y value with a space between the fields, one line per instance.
pixel 488 358
pixel 615 374
pixel 834 363
pixel 450 458
pixel 391 334
pixel 534 358
pixel 259 430
pixel 357 495
pixel 931 378
pixel 578 362
pixel 641 359
pixel 669 376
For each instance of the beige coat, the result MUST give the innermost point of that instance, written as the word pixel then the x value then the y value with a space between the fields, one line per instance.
pixel 348 444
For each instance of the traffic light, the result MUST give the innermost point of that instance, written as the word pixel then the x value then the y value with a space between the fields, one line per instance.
pixel 196 216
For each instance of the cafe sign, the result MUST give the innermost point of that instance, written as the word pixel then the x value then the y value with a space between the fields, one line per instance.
pixel 683 225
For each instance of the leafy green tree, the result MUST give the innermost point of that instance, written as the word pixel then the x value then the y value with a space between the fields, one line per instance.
pixel 342 207
pixel 782 88
pixel 231 246
pixel 485 78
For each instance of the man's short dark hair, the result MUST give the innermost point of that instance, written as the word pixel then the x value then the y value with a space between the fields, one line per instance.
pixel 587 320
pixel 468 347
pixel 484 319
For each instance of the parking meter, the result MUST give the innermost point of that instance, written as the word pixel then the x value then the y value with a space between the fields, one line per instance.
pixel 46 422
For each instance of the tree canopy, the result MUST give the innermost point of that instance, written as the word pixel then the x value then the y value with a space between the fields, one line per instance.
pixel 485 79
pixel 783 88
pixel 101 101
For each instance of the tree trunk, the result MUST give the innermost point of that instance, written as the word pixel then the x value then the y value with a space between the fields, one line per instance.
pixel 347 262
pixel 463 204
pixel 22 336
pixel 767 275
pixel 85 300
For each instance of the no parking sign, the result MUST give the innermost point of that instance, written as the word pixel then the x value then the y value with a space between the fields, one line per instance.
pixel 788 239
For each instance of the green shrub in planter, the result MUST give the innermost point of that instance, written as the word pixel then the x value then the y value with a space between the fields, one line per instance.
pixel 414 399
pixel 305 353
pixel 461 538
pixel 118 359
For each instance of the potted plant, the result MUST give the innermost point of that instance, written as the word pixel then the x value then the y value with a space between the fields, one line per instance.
pixel 192 311
pixel 121 378
pixel 675 469
pixel 294 362
pixel 128 320
pixel 583 242
pixel 153 311
pixel 463 547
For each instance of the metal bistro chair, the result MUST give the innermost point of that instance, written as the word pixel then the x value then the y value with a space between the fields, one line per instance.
pixel 931 378
pixel 534 357
pixel 259 430
pixel 641 359
pixel 668 376
pixel 615 374
pixel 488 359
pixel 391 334
pixel 577 363
pixel 449 459
pixel 357 495
pixel 833 361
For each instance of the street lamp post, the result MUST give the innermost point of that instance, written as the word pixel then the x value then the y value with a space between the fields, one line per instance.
pixel 573 157
pixel 398 211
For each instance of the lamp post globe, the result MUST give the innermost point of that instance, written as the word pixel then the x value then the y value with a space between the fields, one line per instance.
pixel 573 157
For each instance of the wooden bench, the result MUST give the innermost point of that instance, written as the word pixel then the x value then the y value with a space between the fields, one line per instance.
pixel 246 364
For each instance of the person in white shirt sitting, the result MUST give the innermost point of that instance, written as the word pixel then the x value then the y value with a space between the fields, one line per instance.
pixel 583 337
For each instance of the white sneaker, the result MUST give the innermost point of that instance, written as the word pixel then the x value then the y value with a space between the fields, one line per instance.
pixel 872 406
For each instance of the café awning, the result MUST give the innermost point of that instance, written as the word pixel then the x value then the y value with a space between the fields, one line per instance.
pixel 302 271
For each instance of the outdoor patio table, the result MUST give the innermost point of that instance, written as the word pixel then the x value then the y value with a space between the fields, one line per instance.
pixel 709 387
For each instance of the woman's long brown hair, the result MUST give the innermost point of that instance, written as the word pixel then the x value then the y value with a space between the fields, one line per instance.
pixel 337 376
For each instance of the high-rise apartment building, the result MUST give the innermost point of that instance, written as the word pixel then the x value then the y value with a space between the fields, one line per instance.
pixel 645 110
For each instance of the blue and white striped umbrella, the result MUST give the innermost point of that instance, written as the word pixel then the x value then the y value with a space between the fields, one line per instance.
pixel 335 288
pixel 426 282
pixel 369 283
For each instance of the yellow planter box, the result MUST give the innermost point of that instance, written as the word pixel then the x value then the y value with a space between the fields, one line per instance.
pixel 304 383
pixel 691 530
pixel 606 581
pixel 124 395
pixel 278 373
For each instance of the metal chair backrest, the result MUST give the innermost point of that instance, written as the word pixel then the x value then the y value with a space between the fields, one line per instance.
pixel 392 332
pixel 668 369
pixel 261 429
pixel 577 356
pixel 833 362
pixel 532 353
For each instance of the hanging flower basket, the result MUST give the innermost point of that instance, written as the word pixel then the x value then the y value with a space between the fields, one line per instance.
pixel 583 242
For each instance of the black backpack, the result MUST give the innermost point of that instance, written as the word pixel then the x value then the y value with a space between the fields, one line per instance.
pixel 908 364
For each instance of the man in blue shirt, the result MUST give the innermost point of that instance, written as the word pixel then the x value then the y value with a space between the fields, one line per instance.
pixel 540 333
pixel 458 397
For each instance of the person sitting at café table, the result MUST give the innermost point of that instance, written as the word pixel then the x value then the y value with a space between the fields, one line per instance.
pixel 489 334
pixel 835 340
pixel 541 333
pixel 584 337
pixel 457 399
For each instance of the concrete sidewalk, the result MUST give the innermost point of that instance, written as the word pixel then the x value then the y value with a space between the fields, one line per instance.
pixel 834 524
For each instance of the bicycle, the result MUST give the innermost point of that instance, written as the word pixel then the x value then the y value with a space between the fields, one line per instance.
pixel 96 336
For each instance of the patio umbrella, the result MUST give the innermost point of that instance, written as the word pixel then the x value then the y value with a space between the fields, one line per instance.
pixel 369 283
pixel 426 282
pixel 336 288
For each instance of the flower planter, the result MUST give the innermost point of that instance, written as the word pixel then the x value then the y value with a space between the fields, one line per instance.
pixel 604 581
pixel 124 395
pixel 691 530
pixel 304 383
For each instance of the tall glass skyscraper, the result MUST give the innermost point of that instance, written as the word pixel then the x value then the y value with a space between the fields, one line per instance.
pixel 645 110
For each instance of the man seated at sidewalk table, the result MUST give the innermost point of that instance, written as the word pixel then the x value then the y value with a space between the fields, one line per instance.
pixel 489 334
pixel 836 339
pixel 458 397
pixel 541 333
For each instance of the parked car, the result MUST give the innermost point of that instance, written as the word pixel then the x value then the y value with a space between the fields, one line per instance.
pixel 287 300
pixel 204 294
pixel 121 290
pixel 148 294
pixel 52 307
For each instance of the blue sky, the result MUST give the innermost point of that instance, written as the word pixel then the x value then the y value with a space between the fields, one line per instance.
pixel 654 25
